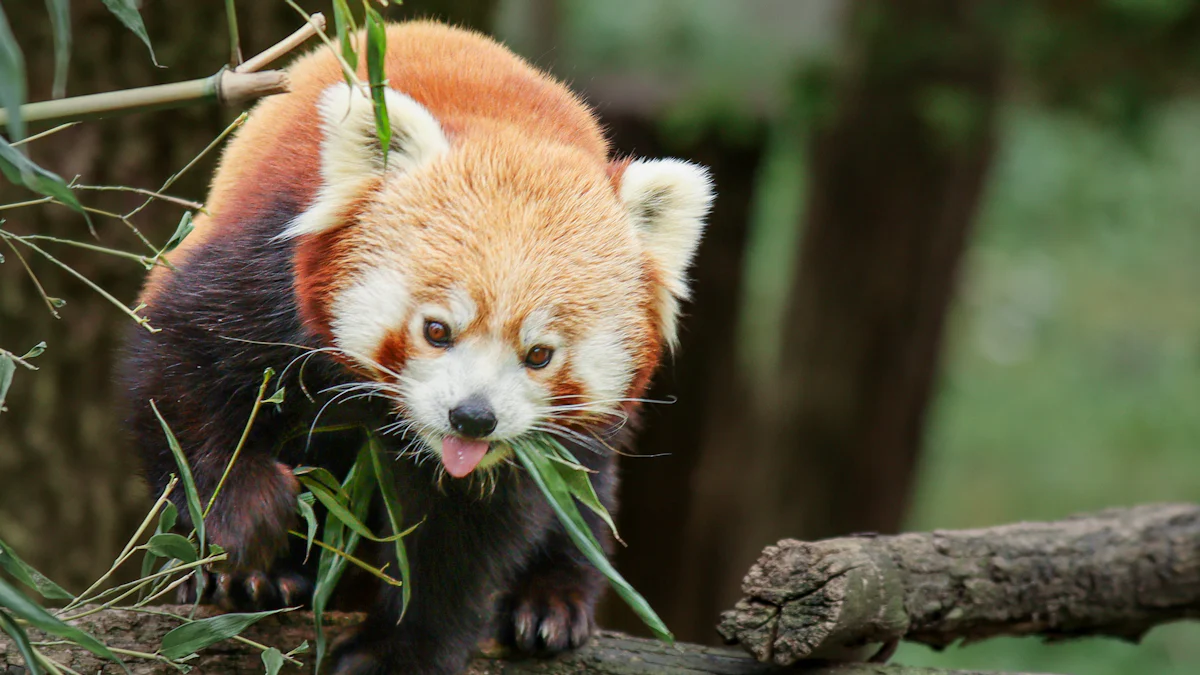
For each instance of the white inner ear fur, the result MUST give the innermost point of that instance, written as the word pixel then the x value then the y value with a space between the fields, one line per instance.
pixel 667 200
pixel 350 154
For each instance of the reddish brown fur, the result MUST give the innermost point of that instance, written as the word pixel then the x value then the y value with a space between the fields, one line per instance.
pixel 435 65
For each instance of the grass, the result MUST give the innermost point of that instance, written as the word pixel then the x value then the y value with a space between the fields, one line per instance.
pixel 1072 373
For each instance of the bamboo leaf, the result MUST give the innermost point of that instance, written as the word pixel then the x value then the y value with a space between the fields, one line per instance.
pixel 185 474
pixel 310 518
pixel 192 637
pixel 35 351
pixel 542 469
pixel 324 477
pixel 342 513
pixel 127 12
pixel 169 545
pixel 19 637
pixel 166 519
pixel 359 486
pixel 391 503
pixel 25 609
pixel 26 574
pixel 376 54
pixel 273 661
pixel 8 368
pixel 182 230
pixel 12 79
pixel 343 22
pixel 60 22
pixel 20 170
pixel 580 486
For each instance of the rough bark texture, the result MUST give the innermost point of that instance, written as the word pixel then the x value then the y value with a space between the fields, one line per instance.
pixel 1115 573
pixel 608 654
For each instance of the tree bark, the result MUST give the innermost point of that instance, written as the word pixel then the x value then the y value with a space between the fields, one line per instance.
pixel 607 654
pixel 1116 573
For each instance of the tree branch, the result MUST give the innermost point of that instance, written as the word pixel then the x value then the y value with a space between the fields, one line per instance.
pixel 1118 573
pixel 608 654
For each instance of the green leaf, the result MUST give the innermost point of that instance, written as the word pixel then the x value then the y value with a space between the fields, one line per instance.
pixel 12 79
pixel 342 513
pixel 542 469
pixel 20 170
pixel 391 502
pixel 60 21
pixel 376 54
pixel 24 573
pixel 166 522
pixel 18 636
pixel 276 398
pixel 8 368
pixel 166 519
pixel 359 486
pixel 310 517
pixel 273 661
pixel 343 22
pixel 192 637
pixel 25 609
pixel 185 473
pixel 35 352
pixel 182 230
pixel 325 477
pixel 577 481
pixel 126 11
pixel 172 546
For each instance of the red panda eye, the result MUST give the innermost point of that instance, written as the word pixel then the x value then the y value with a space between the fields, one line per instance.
pixel 437 333
pixel 538 357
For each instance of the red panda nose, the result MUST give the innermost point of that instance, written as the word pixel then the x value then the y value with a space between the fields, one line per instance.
pixel 473 418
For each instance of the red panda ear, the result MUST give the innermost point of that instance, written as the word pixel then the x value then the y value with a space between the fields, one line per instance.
pixel 667 200
pixel 351 157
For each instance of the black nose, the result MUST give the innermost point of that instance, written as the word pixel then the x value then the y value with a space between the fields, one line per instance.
pixel 473 418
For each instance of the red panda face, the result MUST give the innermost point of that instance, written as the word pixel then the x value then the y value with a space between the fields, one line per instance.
pixel 498 285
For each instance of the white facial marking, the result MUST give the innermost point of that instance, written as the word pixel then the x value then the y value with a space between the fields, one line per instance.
pixel 475 367
pixel 535 330
pixel 462 309
pixel 366 312
pixel 603 363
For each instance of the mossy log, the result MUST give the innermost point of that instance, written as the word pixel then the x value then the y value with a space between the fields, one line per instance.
pixel 1116 573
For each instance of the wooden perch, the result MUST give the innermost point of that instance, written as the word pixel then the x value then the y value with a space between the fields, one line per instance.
pixel 1117 573
pixel 608 654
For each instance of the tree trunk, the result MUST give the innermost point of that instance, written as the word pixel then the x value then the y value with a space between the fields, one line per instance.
pixel 896 175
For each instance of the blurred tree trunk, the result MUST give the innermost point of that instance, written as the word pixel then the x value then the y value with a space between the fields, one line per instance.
pixel 897 170
pixel 66 474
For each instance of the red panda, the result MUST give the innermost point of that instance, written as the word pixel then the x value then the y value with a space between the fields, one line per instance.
pixel 498 275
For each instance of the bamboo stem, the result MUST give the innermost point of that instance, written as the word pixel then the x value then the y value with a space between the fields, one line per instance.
pixel 226 86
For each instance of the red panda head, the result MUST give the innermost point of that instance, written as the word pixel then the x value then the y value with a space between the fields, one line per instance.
pixel 495 284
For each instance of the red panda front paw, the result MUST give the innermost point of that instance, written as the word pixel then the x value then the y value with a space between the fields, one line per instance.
pixel 255 591
pixel 550 615
pixel 252 516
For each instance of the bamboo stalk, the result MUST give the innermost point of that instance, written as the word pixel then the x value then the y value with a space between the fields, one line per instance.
pixel 226 86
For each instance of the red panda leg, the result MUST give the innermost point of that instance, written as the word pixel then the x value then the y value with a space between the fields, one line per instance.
pixel 552 606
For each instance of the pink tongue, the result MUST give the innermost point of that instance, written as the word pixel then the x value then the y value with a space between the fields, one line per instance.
pixel 462 456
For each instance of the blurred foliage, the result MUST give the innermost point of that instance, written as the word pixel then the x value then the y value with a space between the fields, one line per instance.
pixel 1071 380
